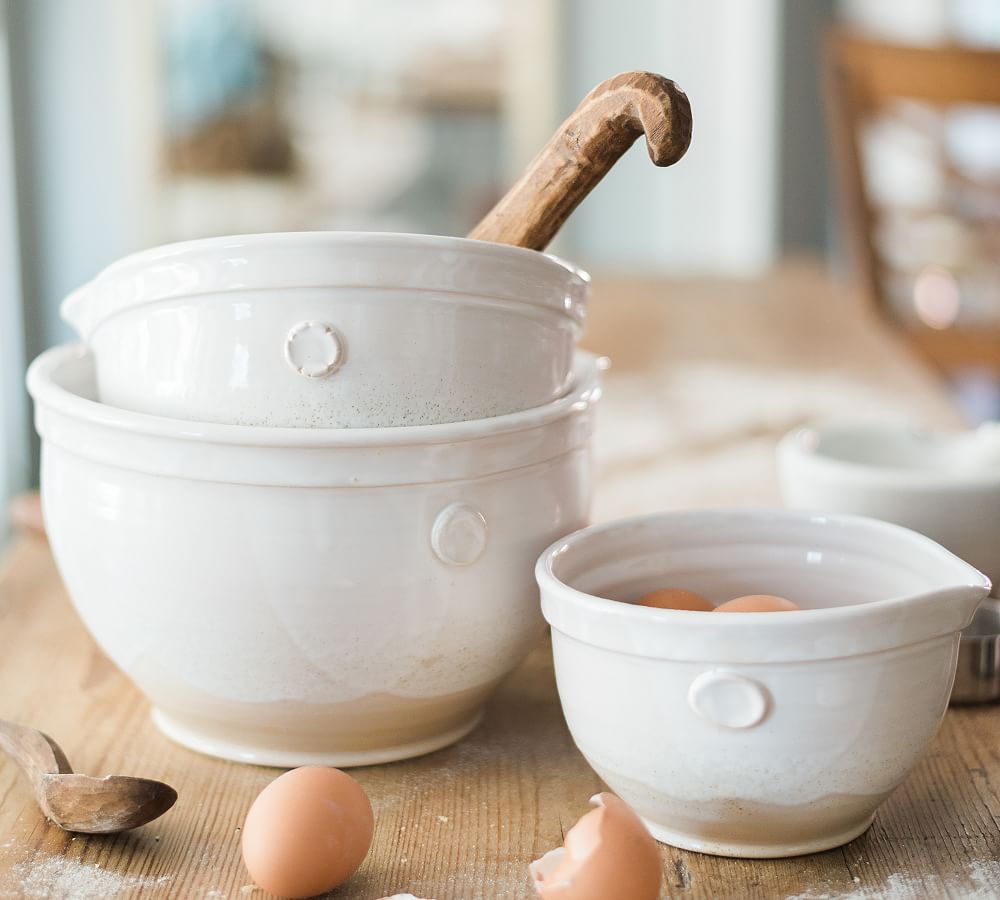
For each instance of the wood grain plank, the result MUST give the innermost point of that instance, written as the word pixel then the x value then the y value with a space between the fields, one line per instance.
pixel 448 824
pixel 462 823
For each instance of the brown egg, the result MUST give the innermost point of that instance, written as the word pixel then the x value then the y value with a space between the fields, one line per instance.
pixel 608 853
pixel 675 598
pixel 757 603
pixel 307 832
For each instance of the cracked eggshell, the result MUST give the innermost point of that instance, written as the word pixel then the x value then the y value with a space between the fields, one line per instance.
pixel 608 853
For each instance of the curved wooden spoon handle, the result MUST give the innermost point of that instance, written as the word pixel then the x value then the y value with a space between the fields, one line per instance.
pixel 36 753
pixel 604 125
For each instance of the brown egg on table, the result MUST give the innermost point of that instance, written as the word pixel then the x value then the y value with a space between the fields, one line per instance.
pixel 757 603
pixel 675 598
pixel 608 853
pixel 307 832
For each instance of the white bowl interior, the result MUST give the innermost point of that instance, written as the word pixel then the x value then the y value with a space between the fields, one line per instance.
pixel 817 562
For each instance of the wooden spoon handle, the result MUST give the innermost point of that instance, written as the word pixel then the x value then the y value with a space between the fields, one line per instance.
pixel 36 753
pixel 79 802
pixel 604 125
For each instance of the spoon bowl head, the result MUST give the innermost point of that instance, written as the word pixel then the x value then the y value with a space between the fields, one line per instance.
pixel 106 805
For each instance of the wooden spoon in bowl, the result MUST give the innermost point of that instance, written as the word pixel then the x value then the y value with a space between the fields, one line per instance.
pixel 583 150
pixel 82 802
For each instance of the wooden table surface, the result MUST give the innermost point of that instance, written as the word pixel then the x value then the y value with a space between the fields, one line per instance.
pixel 464 822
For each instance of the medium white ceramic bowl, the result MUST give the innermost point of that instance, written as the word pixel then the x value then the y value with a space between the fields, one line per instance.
pixel 292 596
pixel 755 734
pixel 943 484
pixel 325 329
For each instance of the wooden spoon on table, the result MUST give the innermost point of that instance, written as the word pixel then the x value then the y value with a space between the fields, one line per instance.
pixel 583 150
pixel 82 802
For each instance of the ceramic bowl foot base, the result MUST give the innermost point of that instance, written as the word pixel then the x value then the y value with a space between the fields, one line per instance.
pixel 195 739
pixel 686 841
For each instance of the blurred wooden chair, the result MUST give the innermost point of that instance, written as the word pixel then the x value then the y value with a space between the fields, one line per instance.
pixel 864 79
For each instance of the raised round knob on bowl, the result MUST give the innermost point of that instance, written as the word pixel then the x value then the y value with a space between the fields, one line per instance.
pixel 314 349
pixel 459 533
pixel 729 700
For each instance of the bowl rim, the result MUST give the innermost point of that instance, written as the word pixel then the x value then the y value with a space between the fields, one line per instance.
pixel 576 612
pixel 797 447
pixel 49 395
pixel 211 265
pixel 386 238
pixel 544 567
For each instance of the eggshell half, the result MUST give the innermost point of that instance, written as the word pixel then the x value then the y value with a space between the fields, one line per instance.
pixel 608 853
pixel 675 598
pixel 757 603
pixel 307 832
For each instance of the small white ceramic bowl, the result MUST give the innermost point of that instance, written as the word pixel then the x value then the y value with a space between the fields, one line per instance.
pixel 755 734
pixel 943 484
pixel 293 596
pixel 325 329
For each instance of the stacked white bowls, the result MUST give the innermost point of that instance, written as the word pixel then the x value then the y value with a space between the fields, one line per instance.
pixel 284 588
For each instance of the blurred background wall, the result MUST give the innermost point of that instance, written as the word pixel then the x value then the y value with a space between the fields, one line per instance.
pixel 126 123
pixel 141 122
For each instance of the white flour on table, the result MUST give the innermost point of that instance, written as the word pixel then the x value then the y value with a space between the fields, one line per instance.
pixel 981 881
pixel 64 878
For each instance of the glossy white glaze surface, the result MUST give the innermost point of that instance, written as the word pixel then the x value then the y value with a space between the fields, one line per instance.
pixel 755 734
pixel 332 329
pixel 945 485
pixel 292 596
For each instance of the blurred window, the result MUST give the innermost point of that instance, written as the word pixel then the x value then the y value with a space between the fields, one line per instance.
pixel 330 114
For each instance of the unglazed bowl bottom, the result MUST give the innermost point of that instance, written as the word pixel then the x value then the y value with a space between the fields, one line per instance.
pixel 750 850
pixel 256 750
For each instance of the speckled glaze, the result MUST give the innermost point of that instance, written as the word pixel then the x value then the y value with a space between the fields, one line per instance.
pixel 945 484
pixel 332 329
pixel 755 734
pixel 293 596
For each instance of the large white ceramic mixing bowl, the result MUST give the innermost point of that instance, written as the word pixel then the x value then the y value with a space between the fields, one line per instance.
pixel 755 734
pixel 326 329
pixel 291 596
